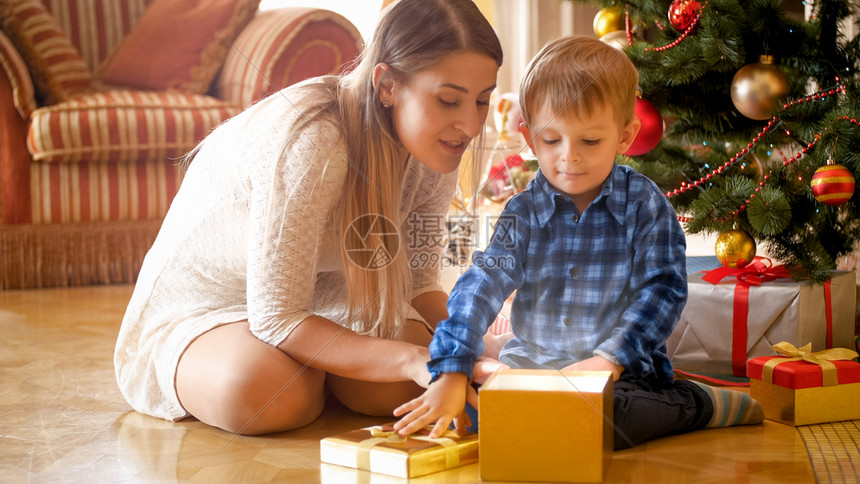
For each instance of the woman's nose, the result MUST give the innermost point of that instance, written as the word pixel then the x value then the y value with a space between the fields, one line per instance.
pixel 472 122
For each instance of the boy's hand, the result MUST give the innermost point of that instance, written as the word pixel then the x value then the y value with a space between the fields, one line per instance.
pixel 597 363
pixel 493 344
pixel 484 368
pixel 417 366
pixel 443 402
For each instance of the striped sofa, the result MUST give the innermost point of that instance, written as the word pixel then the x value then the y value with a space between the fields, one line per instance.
pixel 85 181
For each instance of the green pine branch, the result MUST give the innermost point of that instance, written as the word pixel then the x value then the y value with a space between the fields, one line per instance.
pixel 767 191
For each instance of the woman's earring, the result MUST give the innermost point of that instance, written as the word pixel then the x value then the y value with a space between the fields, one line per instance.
pixel 386 104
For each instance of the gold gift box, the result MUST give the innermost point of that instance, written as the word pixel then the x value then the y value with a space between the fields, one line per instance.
pixel 797 397
pixel 379 449
pixel 335 474
pixel 546 425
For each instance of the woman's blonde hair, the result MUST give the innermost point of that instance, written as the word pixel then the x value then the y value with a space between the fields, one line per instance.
pixel 577 75
pixel 411 36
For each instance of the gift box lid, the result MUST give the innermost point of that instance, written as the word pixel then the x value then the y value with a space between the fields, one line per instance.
pixel 801 374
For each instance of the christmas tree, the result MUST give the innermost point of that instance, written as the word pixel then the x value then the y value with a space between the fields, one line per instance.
pixel 754 102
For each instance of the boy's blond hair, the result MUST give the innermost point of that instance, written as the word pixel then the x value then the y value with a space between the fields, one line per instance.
pixel 577 75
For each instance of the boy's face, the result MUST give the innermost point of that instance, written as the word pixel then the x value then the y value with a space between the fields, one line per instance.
pixel 575 153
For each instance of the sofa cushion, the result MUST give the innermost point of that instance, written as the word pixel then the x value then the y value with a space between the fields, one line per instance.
pixel 284 46
pixel 124 126
pixel 178 44
pixel 91 192
pixel 96 27
pixel 15 70
pixel 55 65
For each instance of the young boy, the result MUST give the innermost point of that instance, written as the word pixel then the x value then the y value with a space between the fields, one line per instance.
pixel 596 255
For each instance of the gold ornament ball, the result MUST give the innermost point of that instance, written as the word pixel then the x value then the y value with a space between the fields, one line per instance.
pixel 832 185
pixel 608 20
pixel 617 39
pixel 757 89
pixel 735 248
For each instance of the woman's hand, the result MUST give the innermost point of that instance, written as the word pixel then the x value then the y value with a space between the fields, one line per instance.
pixel 597 363
pixel 444 401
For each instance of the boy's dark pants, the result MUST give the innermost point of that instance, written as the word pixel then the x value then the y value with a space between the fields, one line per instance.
pixel 646 409
pixel 650 408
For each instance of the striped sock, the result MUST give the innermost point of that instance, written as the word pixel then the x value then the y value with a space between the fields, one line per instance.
pixel 732 407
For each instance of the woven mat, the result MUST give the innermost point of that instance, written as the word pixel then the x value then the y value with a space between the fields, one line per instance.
pixel 834 450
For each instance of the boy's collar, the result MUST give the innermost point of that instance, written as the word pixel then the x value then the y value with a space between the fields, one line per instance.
pixel 614 190
pixel 545 201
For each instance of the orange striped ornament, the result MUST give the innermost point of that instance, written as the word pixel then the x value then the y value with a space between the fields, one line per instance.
pixel 832 185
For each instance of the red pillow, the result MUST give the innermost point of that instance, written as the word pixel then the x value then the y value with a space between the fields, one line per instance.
pixel 178 44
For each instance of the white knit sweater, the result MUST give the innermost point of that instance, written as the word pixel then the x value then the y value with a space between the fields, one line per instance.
pixel 246 237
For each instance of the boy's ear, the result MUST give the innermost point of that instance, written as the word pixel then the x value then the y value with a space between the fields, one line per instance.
pixel 383 82
pixel 524 130
pixel 628 135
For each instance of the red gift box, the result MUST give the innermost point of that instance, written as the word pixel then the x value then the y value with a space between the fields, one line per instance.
pixel 806 388
pixel 801 374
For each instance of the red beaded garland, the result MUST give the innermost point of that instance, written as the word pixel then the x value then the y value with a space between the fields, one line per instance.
pixel 689 29
pixel 774 122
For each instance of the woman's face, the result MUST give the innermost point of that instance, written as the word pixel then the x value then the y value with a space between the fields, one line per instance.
pixel 439 110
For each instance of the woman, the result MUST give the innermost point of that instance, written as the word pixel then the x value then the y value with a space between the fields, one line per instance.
pixel 291 258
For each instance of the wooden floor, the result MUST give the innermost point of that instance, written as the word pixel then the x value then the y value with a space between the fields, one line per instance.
pixel 62 419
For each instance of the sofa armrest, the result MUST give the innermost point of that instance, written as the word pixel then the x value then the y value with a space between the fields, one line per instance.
pixel 17 101
pixel 15 70
pixel 284 46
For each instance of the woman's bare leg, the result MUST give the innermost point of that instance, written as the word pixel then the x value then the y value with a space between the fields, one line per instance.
pixel 380 399
pixel 229 379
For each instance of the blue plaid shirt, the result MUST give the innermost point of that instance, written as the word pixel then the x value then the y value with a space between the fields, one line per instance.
pixel 610 281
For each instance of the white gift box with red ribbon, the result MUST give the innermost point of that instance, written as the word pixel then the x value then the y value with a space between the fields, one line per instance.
pixel 733 315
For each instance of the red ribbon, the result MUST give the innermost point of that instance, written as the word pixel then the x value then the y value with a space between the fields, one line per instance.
pixel 754 274
pixel 758 271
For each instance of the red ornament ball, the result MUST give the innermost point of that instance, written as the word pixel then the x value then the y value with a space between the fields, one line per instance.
pixel 651 131
pixel 683 12
pixel 832 185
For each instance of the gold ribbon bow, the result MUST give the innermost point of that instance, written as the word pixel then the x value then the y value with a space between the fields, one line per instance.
pixel 380 434
pixel 829 376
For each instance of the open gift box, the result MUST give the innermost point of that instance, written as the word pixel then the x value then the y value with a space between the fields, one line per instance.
pixel 805 388
pixel 546 425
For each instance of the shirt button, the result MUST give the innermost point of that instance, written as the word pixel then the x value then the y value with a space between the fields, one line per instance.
pixel 567 322
pixel 574 272
pixel 575 218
